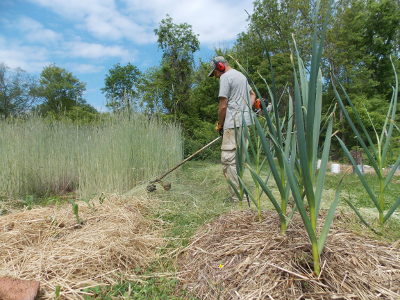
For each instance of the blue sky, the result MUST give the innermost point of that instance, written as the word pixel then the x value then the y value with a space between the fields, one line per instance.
pixel 87 37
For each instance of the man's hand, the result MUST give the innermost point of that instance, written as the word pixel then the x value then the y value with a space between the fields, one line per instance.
pixel 257 104
pixel 219 128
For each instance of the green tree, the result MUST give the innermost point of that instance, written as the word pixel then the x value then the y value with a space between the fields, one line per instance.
pixel 151 91
pixel 382 30
pixel 15 91
pixel 270 35
pixel 59 89
pixel 121 87
pixel 359 43
pixel 178 43
pixel 362 37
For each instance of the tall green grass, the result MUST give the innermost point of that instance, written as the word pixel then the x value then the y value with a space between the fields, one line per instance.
pixel 41 157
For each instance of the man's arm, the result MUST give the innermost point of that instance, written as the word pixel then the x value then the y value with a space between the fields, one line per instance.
pixel 223 105
pixel 252 98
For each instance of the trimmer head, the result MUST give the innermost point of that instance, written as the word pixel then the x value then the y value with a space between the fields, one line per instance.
pixel 152 187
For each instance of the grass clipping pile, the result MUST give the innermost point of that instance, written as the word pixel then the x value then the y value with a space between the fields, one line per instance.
pixel 47 244
pixel 238 257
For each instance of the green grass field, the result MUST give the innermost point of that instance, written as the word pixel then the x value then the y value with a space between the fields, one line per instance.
pixel 196 197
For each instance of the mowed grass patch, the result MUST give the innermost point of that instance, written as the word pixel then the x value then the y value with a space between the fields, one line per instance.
pixel 196 198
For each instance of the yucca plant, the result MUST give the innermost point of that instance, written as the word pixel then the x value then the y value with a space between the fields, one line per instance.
pixel 310 182
pixel 271 125
pixel 296 156
pixel 377 153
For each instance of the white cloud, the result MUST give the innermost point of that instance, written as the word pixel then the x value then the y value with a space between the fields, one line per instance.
pixel 215 21
pixel 100 18
pixel 84 68
pixel 28 58
pixel 35 31
pixel 96 51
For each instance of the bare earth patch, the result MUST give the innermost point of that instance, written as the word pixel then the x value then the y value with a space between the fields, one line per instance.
pixel 239 257
pixel 45 244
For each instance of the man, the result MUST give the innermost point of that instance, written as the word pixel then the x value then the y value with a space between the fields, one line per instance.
pixel 234 96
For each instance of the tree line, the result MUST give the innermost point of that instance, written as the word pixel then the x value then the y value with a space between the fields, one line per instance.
pixel 361 37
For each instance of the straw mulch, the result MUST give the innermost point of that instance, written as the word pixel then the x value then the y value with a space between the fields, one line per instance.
pixel 238 257
pixel 47 245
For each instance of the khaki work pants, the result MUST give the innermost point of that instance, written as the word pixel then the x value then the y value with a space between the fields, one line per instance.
pixel 228 160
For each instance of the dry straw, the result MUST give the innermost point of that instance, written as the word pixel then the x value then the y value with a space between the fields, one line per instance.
pixel 47 245
pixel 238 257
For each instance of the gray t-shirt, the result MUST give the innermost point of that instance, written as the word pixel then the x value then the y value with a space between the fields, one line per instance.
pixel 233 85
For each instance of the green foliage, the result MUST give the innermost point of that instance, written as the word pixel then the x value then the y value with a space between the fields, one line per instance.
pixel 57 292
pixel 151 288
pixel 381 38
pixel 347 50
pixel 59 89
pixel 15 92
pixel 151 92
pixel 271 26
pixel 178 43
pixel 372 111
pixel 75 211
pixel 83 114
pixel 121 87
pixel 362 37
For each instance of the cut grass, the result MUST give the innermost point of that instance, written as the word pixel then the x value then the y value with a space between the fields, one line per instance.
pixel 196 198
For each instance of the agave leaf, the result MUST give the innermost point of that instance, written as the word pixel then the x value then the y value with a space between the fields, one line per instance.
pixel 393 106
pixel 271 93
pixel 268 192
pixel 357 118
pixel 360 175
pixel 317 121
pixel 361 217
pixel 357 133
pixel 270 158
pixel 247 191
pixel 303 147
pixel 373 127
pixel 392 210
pixel 300 204
pixel 391 173
pixel 289 128
pixel 324 162
pixel 235 189
pixel 302 74
pixel 329 218
pixel 387 134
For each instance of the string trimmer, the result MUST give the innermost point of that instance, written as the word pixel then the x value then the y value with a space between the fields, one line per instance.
pixel 166 185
